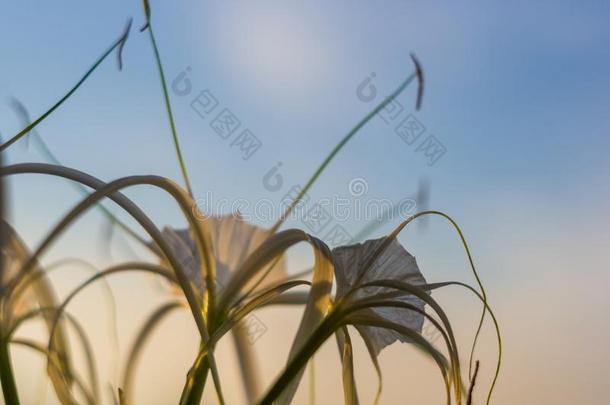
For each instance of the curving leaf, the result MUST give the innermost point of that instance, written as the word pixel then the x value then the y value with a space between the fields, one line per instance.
pixel 54 364
pixel 40 295
pixel 27 129
pixel 344 141
pixel 318 304
pixel 262 299
pixel 414 336
pixel 344 344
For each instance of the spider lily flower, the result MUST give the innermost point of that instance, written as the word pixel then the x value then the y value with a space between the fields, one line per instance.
pixel 393 263
pixel 355 266
pixel 233 241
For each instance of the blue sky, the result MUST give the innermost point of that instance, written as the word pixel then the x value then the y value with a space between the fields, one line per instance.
pixel 516 92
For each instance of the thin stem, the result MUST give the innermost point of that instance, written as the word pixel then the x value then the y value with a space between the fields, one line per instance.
pixel 316 339
pixel 480 284
pixel 28 128
pixel 472 383
pixel 51 158
pixel 340 146
pixel 312 380
pixel 9 388
pixel 193 390
pixel 170 114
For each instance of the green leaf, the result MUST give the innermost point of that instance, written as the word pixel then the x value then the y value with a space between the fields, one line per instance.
pixel 66 397
pixel 118 43
pixel 478 280
pixel 372 320
pixel 317 306
pixel 340 146
pixel 344 344
pixel 40 293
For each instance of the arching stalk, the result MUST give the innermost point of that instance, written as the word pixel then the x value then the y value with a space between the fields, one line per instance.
pixel 117 44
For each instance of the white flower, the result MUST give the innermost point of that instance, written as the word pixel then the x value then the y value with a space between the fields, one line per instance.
pixel 233 241
pixel 395 263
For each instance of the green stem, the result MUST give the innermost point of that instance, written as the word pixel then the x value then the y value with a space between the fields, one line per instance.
pixel 316 340
pixel 340 146
pixel 170 114
pixel 195 382
pixel 27 129
pixel 9 388
pixel 83 190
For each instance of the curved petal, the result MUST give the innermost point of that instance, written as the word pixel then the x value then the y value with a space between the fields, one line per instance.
pixel 233 241
pixel 393 263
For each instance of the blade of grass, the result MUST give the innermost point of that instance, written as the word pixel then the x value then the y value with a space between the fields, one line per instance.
pixel 122 268
pixel 116 44
pixel 340 146
pixel 43 295
pixel 7 377
pixel 472 383
pixel 168 106
pixel 201 233
pixel 477 278
pixel 193 389
pixel 109 190
pixel 20 289
pixel 260 300
pixel 378 302
pixel 320 334
pixel 317 337
pixel 312 380
pixel 318 304
pixel 416 338
pixel 420 293
pixel 496 326
pixel 52 363
pixel 23 114
pixel 55 361
pixel 377 366
pixel 344 343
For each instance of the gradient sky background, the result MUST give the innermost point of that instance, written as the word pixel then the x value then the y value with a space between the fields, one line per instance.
pixel 515 91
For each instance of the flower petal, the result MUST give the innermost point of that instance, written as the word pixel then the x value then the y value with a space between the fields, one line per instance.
pixel 234 240
pixel 394 263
